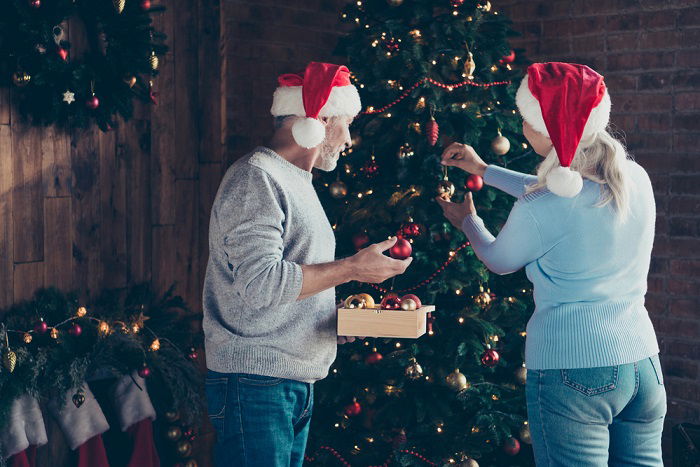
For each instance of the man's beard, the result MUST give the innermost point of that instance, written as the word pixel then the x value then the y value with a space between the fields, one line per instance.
pixel 327 158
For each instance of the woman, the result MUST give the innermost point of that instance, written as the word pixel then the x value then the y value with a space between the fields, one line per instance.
pixel 583 229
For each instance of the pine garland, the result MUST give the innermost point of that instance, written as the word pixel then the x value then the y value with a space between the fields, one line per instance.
pixel 116 338
pixel 54 85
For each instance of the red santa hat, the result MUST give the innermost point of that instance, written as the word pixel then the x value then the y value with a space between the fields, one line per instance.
pixel 324 91
pixel 568 103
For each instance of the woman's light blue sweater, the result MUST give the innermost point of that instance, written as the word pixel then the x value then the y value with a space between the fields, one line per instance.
pixel 589 270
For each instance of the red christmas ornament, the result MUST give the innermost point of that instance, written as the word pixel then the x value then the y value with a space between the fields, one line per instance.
pixel 146 5
pixel 475 182
pixel 410 229
pixel 193 354
pixel 360 240
pixel 353 409
pixel 414 298
pixel 402 249
pixel 63 53
pixel 371 168
pixel 432 130
pixel 391 301
pixel 35 3
pixel 41 327
pixel 374 357
pixel 511 446
pixel 490 358
pixel 510 58
pixel 75 330
pixel 92 103
pixel 144 371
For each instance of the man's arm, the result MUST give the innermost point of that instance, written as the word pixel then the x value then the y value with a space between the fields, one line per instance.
pixel 368 265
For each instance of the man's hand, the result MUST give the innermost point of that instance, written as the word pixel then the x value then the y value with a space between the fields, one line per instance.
pixel 456 212
pixel 371 265
pixel 464 157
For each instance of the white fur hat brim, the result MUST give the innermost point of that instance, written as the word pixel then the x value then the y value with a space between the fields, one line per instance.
pixel 343 100
pixel 531 112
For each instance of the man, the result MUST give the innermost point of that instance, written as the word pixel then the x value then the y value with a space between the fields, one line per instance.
pixel 269 299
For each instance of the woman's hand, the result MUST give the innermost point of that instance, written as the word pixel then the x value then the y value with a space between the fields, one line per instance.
pixel 456 212
pixel 464 157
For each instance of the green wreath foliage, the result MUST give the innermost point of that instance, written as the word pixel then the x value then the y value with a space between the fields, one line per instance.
pixel 52 84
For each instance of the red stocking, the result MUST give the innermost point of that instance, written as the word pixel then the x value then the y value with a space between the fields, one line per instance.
pixel 144 453
pixel 26 458
pixel 92 453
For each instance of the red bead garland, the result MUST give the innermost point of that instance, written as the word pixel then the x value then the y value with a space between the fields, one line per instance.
pixel 449 87
pixel 386 463
pixel 424 281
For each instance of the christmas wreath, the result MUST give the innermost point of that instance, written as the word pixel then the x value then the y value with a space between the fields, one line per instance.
pixel 56 85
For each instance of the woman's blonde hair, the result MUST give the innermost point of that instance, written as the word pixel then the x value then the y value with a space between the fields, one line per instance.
pixel 600 158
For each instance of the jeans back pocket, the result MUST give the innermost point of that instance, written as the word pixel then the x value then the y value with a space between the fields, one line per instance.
pixel 591 381
pixel 216 390
pixel 656 365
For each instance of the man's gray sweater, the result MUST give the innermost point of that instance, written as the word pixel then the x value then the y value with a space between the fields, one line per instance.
pixel 266 222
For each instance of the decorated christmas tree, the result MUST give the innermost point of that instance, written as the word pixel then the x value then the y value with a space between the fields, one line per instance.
pixel 430 72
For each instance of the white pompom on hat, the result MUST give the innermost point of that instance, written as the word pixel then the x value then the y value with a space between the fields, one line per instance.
pixel 324 91
pixel 566 102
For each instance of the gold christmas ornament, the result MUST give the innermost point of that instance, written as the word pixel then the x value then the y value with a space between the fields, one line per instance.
pixel 9 360
pixel 184 448
pixel 500 145
pixel 155 345
pixel 521 374
pixel 338 189
pixel 21 78
pixel 469 463
pixel 525 434
pixel 414 370
pixel 469 66
pixel 409 304
pixel 369 301
pixel 354 301
pixel 103 328
pixel 119 5
pixel 27 338
pixel 457 381
pixel 446 189
pixel 82 311
pixel 153 60
pixel 130 80
pixel 483 298
pixel 173 433
pixel 172 416
pixel 54 333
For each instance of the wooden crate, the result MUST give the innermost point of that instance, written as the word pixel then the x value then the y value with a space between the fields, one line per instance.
pixel 373 322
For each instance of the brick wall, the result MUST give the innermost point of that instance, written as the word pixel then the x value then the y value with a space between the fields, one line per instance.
pixel 649 53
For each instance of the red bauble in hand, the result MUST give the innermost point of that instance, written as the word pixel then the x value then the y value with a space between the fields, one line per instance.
pixel 511 446
pixel 490 358
pixel 475 182
pixel 353 409
pixel 414 298
pixel 391 302
pixel 402 249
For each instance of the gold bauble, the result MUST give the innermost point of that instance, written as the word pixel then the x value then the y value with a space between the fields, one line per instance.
pixel 500 145
pixel 409 304
pixel 119 5
pixel 27 338
pixel 82 311
pixel 457 381
pixel 483 299
pixel 184 448
pixel 469 66
pixel 9 360
pixel 446 189
pixel 172 416
pixel 21 79
pixel 521 374
pixel 54 333
pixel 369 301
pixel 414 370
pixel 338 189
pixel 525 434
pixel 130 80
pixel 469 463
pixel 153 60
pixel 174 433
pixel 353 301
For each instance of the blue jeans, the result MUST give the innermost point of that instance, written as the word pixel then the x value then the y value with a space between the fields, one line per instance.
pixel 259 420
pixel 595 417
